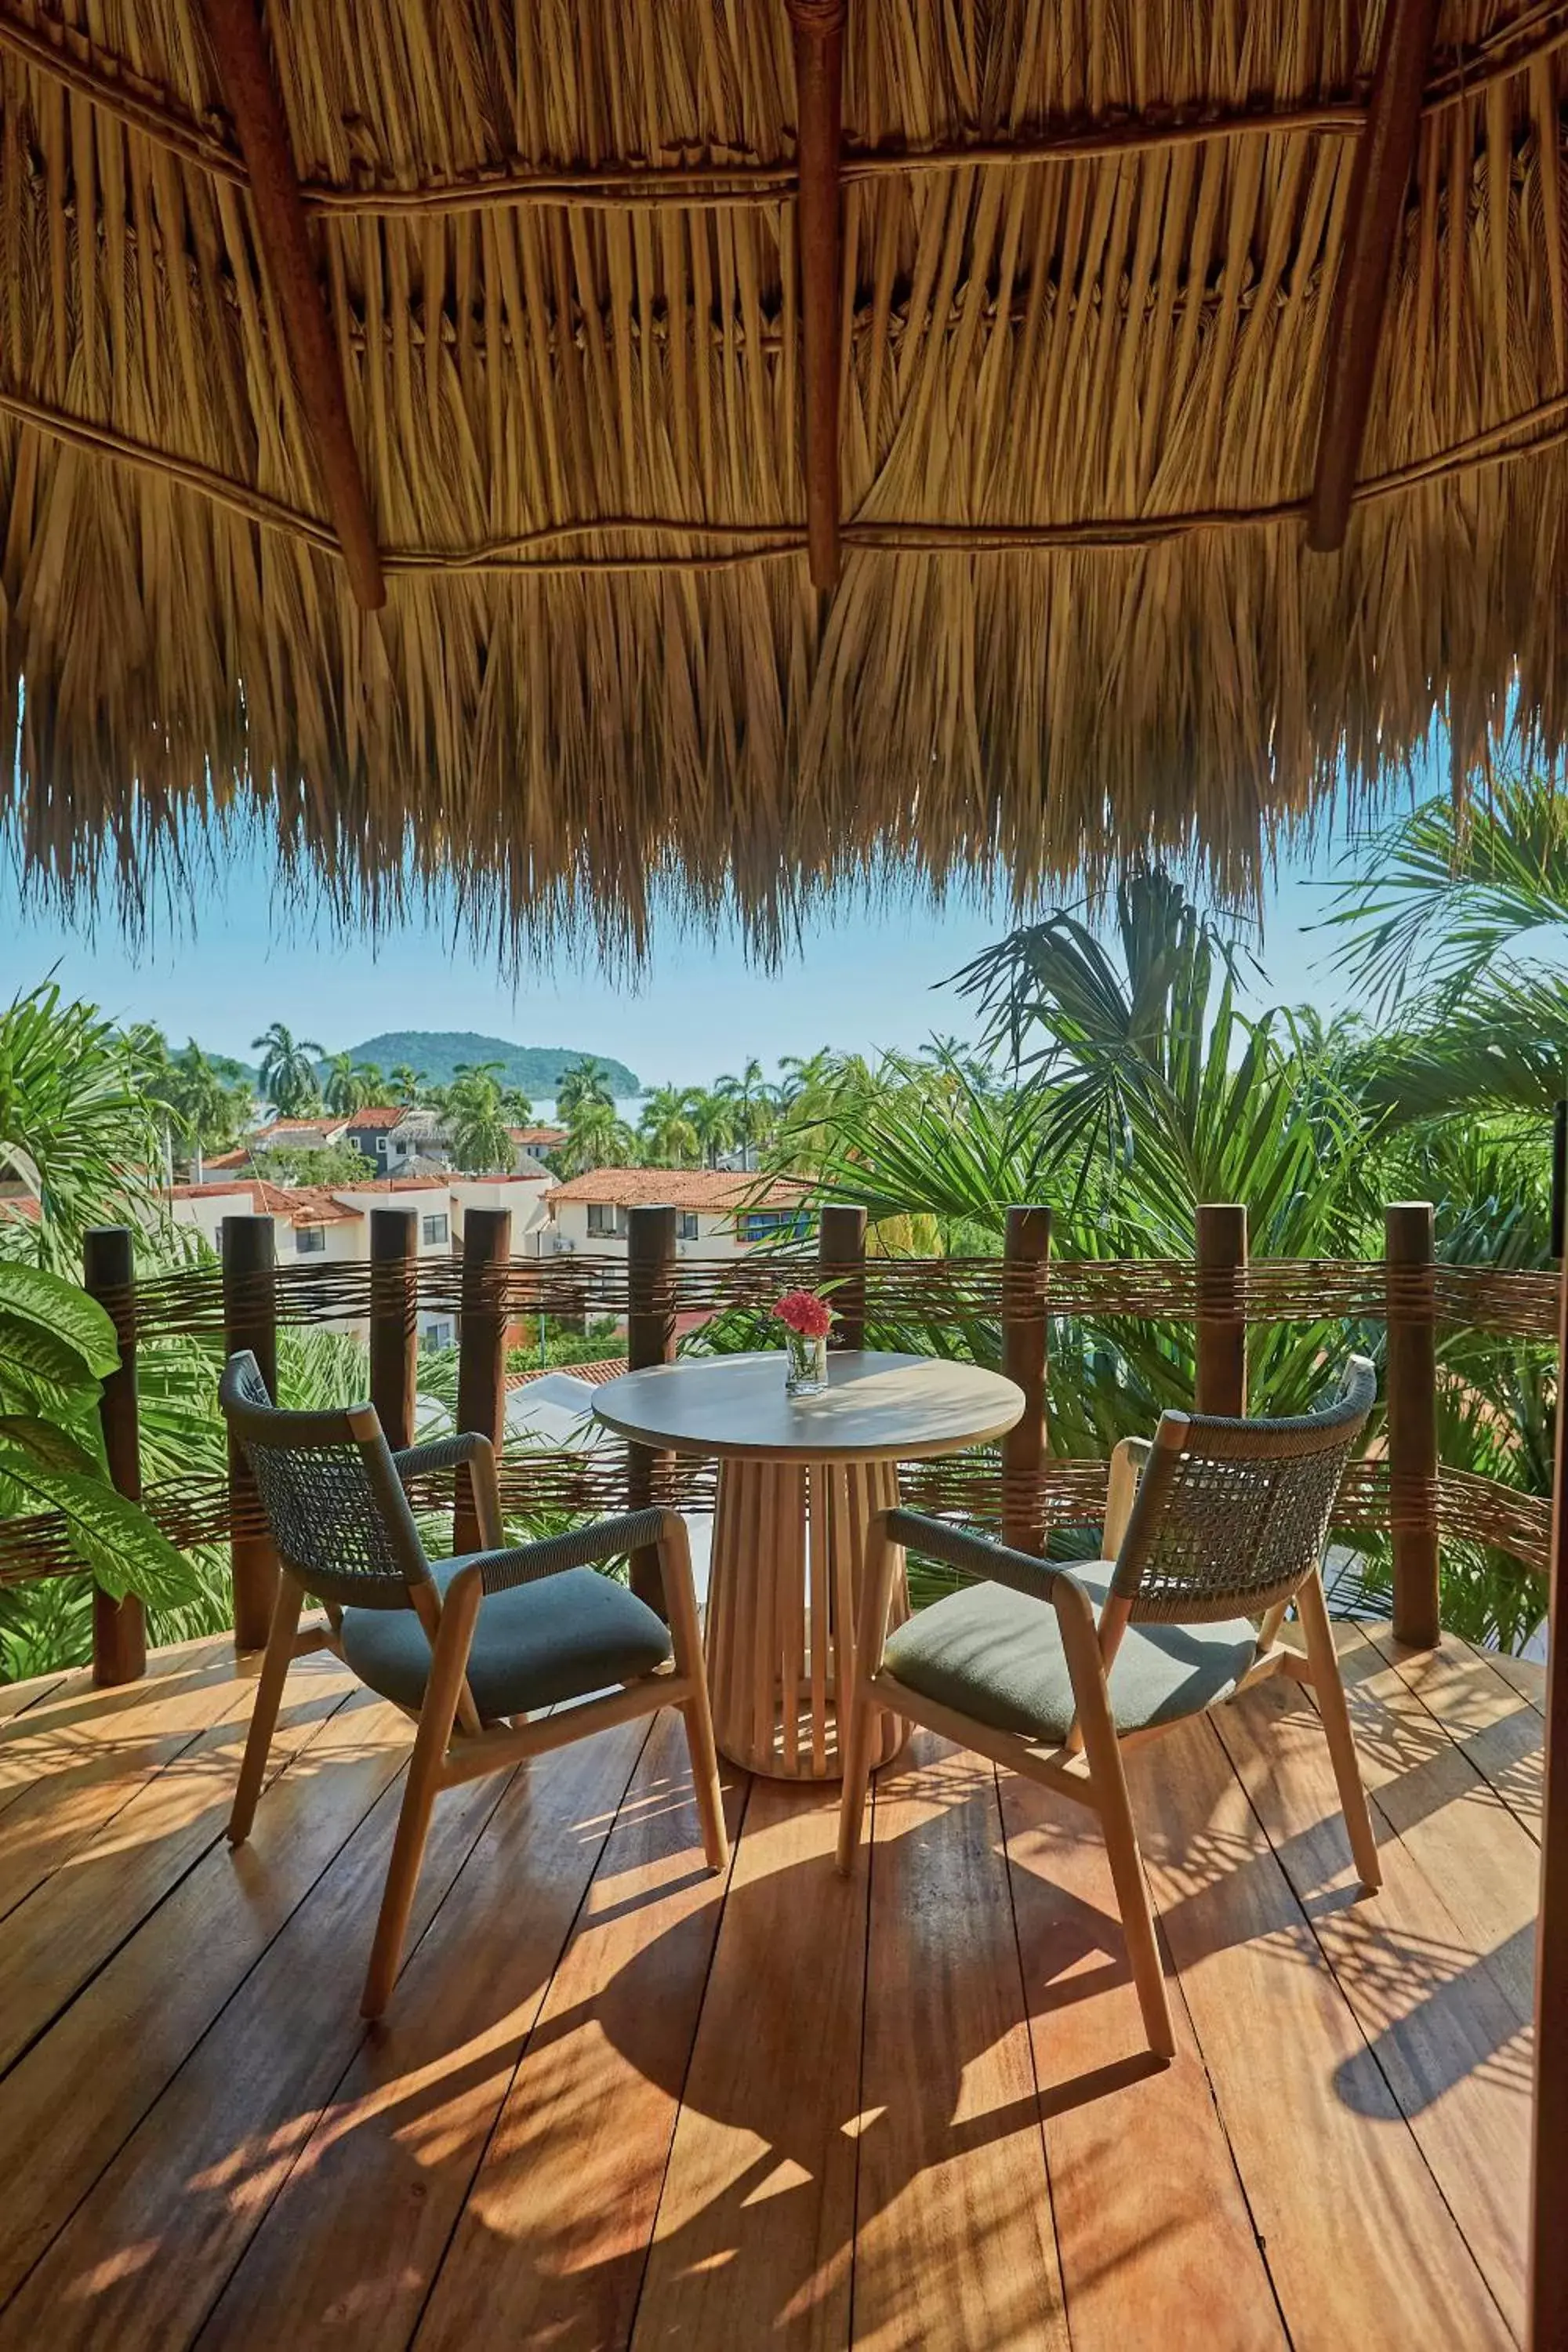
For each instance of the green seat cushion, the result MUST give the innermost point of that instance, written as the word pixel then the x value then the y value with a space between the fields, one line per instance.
pixel 534 1645
pixel 996 1656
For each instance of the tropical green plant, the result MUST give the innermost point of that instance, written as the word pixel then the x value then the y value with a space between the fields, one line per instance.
pixel 288 1070
pixel 586 1081
pixel 596 1137
pixel 56 1347
pixel 313 1163
pixel 666 1129
pixel 78 1134
pixel 712 1119
pixel 407 1084
pixel 478 1133
pixel 753 1104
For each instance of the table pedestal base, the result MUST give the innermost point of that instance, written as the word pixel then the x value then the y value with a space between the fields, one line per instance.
pixel 789 1560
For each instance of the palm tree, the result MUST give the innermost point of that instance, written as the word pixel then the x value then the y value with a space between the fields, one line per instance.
pixel 585 1080
pixel 476 1127
pixel 596 1138
pixel 288 1072
pixel 209 1111
pixel 666 1129
pixel 712 1118
pixel 517 1106
pixel 754 1104
pixel 406 1083
pixel 78 1129
pixel 343 1086
pixel 370 1083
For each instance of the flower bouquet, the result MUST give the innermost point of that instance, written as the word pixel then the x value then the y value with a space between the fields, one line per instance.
pixel 807 1319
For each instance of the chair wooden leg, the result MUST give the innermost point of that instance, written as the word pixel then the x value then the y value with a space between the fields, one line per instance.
pixel 1329 1683
pixel 263 1709
pixel 857 1735
pixel 686 1638
pixel 448 1667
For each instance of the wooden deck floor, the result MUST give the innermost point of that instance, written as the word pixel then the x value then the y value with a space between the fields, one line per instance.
pixel 618 2102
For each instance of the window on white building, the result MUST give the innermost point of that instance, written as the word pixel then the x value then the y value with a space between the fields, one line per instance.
pixel 686 1225
pixel 310 1239
pixel 436 1335
pixel 436 1230
pixel 604 1219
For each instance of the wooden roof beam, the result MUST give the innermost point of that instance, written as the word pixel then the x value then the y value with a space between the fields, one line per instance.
pixel 251 95
pixel 817 27
pixel 1385 160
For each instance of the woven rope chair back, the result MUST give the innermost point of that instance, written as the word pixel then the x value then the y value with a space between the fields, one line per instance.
pixel 333 1502
pixel 1231 1521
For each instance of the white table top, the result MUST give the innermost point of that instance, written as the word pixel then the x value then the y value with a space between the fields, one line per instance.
pixel 874 1408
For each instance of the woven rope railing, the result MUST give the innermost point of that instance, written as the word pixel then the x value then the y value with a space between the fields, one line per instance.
pixel 196 1510
pixel 1500 1301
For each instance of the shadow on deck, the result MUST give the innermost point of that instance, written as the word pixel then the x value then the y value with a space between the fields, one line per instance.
pixel 616 2101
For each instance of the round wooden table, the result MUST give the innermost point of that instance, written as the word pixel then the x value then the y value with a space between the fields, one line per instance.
pixel 799 1478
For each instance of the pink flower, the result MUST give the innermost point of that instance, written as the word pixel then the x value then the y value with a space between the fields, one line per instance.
pixel 803 1311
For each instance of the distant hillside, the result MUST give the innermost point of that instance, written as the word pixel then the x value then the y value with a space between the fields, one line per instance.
pixel 537 1070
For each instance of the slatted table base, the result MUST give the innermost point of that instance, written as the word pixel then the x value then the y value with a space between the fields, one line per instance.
pixel 789 1557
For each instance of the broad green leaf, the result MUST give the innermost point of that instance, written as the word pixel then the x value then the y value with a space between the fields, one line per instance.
pixel 31 1352
pixel 113 1538
pixel 49 1445
pixel 30 1295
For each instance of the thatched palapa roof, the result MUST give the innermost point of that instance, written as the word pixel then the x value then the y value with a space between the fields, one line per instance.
pixel 528 440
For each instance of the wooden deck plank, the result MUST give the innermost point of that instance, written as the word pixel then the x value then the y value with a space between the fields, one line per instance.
pixel 1155 2247
pixel 752 2241
pixel 954 2245
pixel 1486 1719
pixel 15 1698
pixel 553 2238
pixel 66 1768
pixel 1525 1675
pixel 56 1941
pixel 69 2104
pixel 354 2240
pixel 1442 2028
pixel 1350 2216
pixel 147 2251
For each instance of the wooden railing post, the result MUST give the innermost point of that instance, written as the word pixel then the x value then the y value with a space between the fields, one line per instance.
pixel 841 1260
pixel 1221 1385
pixel 394 1321
pixel 481 1352
pixel 651 1339
pixel 1409 1255
pixel 250 1321
pixel 108 1269
pixel 1025 1252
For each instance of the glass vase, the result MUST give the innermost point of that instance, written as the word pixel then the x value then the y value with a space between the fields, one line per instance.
pixel 805 1365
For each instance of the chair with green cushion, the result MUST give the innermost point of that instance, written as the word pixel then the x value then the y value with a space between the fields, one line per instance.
pixel 1055 1671
pixel 472 1648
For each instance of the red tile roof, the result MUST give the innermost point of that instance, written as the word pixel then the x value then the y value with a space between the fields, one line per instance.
pixel 596 1375
pixel 298 1204
pixel 327 1125
pixel 377 1115
pixel 546 1137
pixel 680 1188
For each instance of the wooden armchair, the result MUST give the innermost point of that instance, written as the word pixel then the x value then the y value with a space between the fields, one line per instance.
pixel 1055 1671
pixel 471 1648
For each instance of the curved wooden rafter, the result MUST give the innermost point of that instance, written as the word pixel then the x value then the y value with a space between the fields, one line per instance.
pixel 116 88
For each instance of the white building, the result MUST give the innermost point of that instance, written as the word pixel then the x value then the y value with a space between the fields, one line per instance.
pixel 718 1213
pixel 314 1222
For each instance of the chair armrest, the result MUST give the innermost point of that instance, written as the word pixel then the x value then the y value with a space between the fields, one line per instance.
pixel 470 1446
pixel 500 1570
pixel 979 1556
pixel 1127 1461
pixel 439 1453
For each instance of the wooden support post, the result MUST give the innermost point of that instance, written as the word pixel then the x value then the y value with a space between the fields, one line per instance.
pixel 1222 1316
pixel 1380 181
pixel 1548 2276
pixel 1025 1252
pixel 394 1321
pixel 841 1257
pixel 1412 1422
pixel 108 1271
pixel 651 1339
pixel 250 1321
pixel 283 236
pixel 481 1352
pixel 817 29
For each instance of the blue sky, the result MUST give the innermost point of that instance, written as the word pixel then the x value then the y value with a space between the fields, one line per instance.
pixel 867 979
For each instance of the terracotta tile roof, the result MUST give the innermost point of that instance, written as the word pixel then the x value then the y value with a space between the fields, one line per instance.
pixel 227 1158
pixel 376 1115
pixel 23 1205
pixel 545 1137
pixel 329 1125
pixel 300 1204
pixel 680 1188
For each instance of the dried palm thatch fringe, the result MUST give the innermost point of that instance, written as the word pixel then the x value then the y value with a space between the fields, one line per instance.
pixel 1089 254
